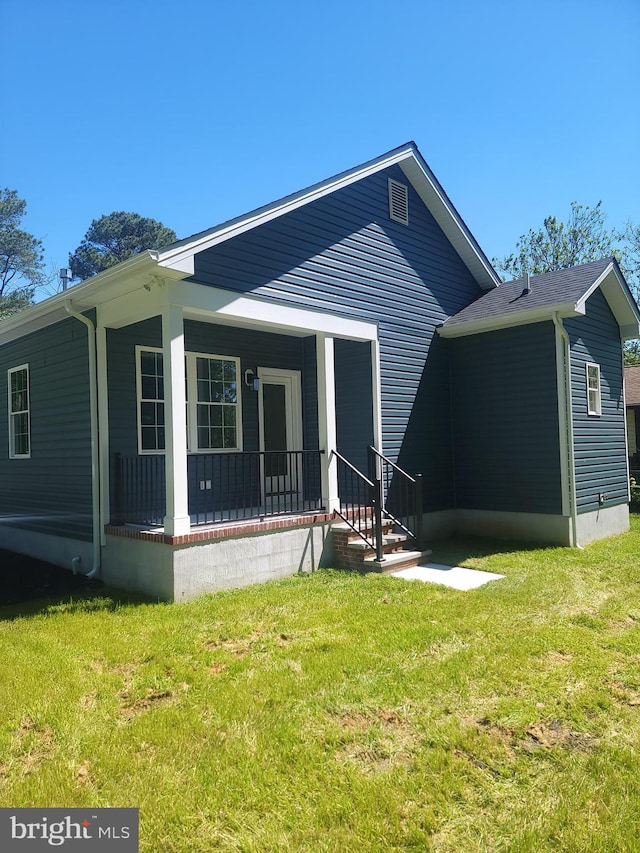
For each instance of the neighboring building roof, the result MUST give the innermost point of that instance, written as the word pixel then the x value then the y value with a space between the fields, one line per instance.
pixel 632 385
pixel 562 292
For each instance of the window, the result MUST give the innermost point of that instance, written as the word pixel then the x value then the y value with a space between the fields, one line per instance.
pixel 398 202
pixel 151 397
pixel 19 416
pixel 213 402
pixel 594 401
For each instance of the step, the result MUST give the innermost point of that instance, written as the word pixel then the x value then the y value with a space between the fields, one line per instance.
pixel 389 542
pixel 395 562
pixel 343 527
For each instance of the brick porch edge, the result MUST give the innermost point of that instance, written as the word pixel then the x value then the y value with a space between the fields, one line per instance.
pixel 220 532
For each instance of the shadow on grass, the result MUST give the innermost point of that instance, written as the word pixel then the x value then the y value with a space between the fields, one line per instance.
pixel 462 550
pixel 30 587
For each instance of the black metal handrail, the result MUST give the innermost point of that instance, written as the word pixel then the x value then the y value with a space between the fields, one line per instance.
pixel 360 506
pixel 400 494
pixel 221 486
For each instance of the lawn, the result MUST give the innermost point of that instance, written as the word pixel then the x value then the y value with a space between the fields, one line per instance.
pixel 338 712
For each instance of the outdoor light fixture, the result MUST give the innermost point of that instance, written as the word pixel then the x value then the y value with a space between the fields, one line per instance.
pixel 251 380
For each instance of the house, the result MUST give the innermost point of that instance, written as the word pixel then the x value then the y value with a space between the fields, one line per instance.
pixel 632 402
pixel 316 382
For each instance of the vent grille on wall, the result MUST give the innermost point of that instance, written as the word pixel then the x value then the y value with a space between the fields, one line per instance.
pixel 398 202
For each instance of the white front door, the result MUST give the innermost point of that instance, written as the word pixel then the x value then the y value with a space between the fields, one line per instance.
pixel 280 416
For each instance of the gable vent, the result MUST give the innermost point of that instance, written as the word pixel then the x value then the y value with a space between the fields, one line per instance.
pixel 398 202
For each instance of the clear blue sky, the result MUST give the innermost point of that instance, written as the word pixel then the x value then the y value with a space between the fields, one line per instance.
pixel 192 112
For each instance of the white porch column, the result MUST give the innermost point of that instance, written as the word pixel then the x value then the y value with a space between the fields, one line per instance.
pixel 327 419
pixel 176 522
pixel 103 425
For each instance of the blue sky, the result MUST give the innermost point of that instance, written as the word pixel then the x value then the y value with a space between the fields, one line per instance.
pixel 194 112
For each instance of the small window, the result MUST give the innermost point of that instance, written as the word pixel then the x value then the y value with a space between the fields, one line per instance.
pixel 594 401
pixel 19 413
pixel 398 202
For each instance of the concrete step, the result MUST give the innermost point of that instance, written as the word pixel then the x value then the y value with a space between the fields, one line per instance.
pixel 390 542
pixel 396 561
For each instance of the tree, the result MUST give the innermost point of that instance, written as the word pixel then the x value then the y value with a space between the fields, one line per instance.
pixel 21 256
pixel 114 238
pixel 558 245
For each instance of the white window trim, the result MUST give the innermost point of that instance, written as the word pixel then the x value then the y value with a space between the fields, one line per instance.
pixel 192 402
pixel 12 453
pixel 597 411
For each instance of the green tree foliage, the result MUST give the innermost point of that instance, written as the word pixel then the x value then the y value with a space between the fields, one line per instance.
pixel 582 238
pixel 21 256
pixel 114 238
pixel 557 245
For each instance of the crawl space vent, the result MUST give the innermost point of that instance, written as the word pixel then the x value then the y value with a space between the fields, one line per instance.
pixel 398 202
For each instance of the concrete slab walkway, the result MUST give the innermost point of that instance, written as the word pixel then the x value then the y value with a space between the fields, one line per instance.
pixel 453 576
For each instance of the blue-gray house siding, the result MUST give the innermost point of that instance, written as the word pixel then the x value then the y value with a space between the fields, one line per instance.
pixel 599 440
pixel 51 491
pixel 505 420
pixel 344 254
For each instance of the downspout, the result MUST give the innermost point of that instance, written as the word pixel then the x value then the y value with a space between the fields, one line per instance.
pixel 571 462
pixel 95 461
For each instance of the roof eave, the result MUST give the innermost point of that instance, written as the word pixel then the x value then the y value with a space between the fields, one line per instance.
pixel 507 321
pixel 87 294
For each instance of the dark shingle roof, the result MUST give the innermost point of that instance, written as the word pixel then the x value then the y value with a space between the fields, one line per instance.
pixel 632 385
pixel 547 290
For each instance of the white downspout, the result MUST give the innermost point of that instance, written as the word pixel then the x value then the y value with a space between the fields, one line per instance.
pixel 95 461
pixel 573 509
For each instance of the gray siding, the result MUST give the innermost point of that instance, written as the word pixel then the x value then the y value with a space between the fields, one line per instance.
pixel 342 253
pixel 354 401
pixel 51 491
pixel 505 405
pixel 599 441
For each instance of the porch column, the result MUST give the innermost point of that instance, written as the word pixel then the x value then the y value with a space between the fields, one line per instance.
pixel 327 420
pixel 103 425
pixel 176 522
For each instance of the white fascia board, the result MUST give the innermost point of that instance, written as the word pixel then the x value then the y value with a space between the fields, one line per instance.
pixel 200 242
pixel 88 294
pixel 521 318
pixel 448 218
pixel 223 306
pixel 619 298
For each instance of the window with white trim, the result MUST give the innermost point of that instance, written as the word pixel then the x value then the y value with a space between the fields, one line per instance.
pixel 212 397
pixel 19 412
pixel 594 397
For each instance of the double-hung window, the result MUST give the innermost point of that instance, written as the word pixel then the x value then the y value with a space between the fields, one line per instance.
pixel 19 412
pixel 594 397
pixel 213 402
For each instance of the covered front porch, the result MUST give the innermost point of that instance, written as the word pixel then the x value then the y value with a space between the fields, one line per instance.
pixel 270 393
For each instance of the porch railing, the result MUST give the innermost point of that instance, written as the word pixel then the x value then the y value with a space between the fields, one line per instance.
pixel 221 486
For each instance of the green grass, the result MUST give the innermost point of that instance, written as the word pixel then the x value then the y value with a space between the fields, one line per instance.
pixel 339 712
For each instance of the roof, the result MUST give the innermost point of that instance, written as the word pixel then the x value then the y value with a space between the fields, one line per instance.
pixel 176 262
pixel 179 255
pixel 632 385
pixel 561 292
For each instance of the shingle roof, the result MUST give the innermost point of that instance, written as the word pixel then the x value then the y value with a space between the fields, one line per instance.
pixel 632 385
pixel 547 290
